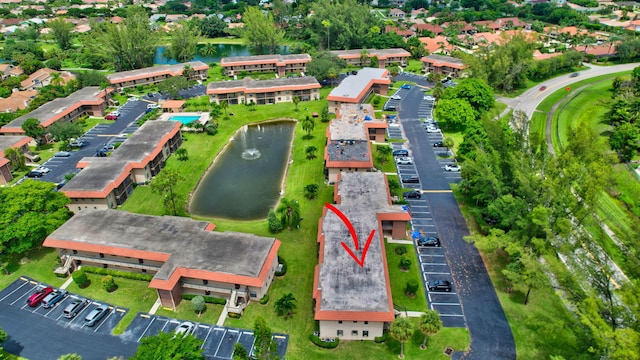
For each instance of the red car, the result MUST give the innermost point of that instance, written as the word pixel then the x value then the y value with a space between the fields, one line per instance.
pixel 543 88
pixel 38 296
pixel 111 117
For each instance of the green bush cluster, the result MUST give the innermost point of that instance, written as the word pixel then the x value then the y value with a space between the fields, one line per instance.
pixel 117 273
pixel 265 299
pixel 108 284
pixel 80 278
pixel 400 250
pixel 324 344
pixel 381 339
pixel 284 266
pixel 207 299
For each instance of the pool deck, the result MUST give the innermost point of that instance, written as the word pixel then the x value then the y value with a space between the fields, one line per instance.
pixel 203 117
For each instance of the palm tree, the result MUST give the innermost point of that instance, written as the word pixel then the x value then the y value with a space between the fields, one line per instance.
pixel 448 143
pixel 296 101
pixel 311 191
pixel 308 125
pixel 188 71
pixel 364 57
pixel 182 154
pixel 332 74
pixel 16 159
pixel 224 105
pixel 286 304
pixel 289 211
pixel 429 324
pixel 208 50
pixel 311 152
pixel 56 79
pixel 383 153
pixel 401 330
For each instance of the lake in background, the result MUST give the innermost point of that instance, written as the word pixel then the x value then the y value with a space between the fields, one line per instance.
pixel 222 51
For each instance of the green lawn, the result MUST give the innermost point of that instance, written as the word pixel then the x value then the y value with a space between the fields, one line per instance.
pixel 38 264
pixel 388 165
pixel 185 311
pixel 133 294
pixel 399 278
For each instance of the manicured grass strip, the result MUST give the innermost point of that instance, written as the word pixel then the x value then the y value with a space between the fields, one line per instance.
pixel 185 311
pixel 133 294
pixel 389 164
pixel 399 278
pixel 38 264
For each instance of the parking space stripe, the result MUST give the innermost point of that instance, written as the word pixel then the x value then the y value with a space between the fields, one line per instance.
pixel 105 319
pixel 147 328
pixel 456 304
pixel 206 337
pixel 220 343
pixel 11 293
pixel 452 315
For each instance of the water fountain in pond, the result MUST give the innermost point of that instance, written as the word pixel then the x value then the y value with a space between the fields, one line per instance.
pixel 249 152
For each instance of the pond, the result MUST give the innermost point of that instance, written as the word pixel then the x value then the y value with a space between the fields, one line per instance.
pixel 246 179
pixel 222 50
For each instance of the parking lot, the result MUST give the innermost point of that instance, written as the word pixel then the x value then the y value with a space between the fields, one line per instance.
pixel 16 294
pixel 218 343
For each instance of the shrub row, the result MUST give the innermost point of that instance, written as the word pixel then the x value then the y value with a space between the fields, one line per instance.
pixel 265 299
pixel 284 266
pixel 381 339
pixel 207 299
pixel 117 273
pixel 324 344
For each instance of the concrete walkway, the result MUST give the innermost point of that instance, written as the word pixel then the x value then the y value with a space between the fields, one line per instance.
pixel 223 315
pixel 155 307
pixel 406 242
pixel 411 313
pixel 66 283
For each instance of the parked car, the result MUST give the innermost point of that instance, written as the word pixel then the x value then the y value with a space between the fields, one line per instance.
pixel 43 169
pixel 36 298
pixel 431 129
pixel 34 174
pixel 406 86
pixel 438 144
pixel 575 74
pixel 184 329
pixel 95 315
pixel 77 143
pixel 428 98
pixel 405 160
pixel 452 167
pixel 400 152
pixel 389 108
pixel 116 113
pixel 439 285
pixel 52 299
pixel 62 154
pixel 396 97
pixel 153 106
pixel 111 117
pixel 75 307
pixel 429 241
pixel 411 179
pixel 413 194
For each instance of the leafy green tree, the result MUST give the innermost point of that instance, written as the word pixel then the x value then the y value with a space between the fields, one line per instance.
pixel 165 346
pixel 323 64
pixel 131 44
pixel 198 304
pixel 61 31
pixel 324 114
pixel 275 225
pixel 64 131
pixel 164 184
pixel 311 152
pixel 311 191
pixel 289 212
pixel 383 152
pixel 80 278
pixel 260 31
pixel 92 78
pixel 183 43
pixel 624 140
pixel 412 286
pixel 264 346
pixel 401 330
pixel 28 214
pixel 239 352
pixel 341 25
pixel 475 91
pixel 16 159
pixel 456 113
pixel 405 263
pixel 429 324
pixel 173 85
pixel 208 49
pixel 296 101
pixel 70 357
pixel 109 284
pixel 286 304
pixel 211 27
pixel 33 129
pixel 448 143
pixel 308 124
pixel 182 154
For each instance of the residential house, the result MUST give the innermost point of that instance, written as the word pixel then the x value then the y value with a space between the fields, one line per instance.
pixel 260 92
pixel 598 51
pixel 445 65
pixel 8 70
pixel 353 301
pixel 18 100
pixel 354 89
pixel 397 13
pixel 437 45
pixel 43 77
pixel 196 70
pixel 107 182
pixel 432 28
pixel 21 143
pixel 185 256
pixel 173 106
pixel 279 64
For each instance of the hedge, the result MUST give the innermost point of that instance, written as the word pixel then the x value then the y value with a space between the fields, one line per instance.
pixel 324 344
pixel 265 299
pixel 117 273
pixel 207 299
pixel 284 266
pixel 381 339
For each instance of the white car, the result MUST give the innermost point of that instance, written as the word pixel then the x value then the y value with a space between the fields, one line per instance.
pixel 184 329
pixel 452 167
pixel 404 160
pixel 431 129
pixel 43 169
pixel 115 113
pixel 396 97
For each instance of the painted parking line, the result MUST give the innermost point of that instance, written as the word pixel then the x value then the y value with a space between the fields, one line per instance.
pixel 26 282
pixel 435 273
pixel 104 320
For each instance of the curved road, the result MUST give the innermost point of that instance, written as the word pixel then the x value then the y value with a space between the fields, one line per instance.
pixel 530 99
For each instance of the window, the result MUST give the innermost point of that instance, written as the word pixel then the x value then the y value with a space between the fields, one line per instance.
pixel 144 270
pixel 105 266
pixel 366 323
pixel 253 294
pixel 205 282
pixel 355 322
pixel 354 332
pixel 140 261
pixel 339 321
pixel 237 286
pixel 101 255
pixel 340 333
pixel 75 251
pixel 365 333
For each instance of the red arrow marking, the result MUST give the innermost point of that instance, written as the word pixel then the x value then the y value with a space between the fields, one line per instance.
pixel 354 236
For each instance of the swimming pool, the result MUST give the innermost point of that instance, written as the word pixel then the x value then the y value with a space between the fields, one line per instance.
pixel 184 119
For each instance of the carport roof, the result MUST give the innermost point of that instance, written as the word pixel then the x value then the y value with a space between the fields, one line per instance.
pixel 187 247
pixel 345 288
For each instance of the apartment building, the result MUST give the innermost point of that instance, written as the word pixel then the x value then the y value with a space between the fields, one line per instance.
pixel 194 70
pixel 441 64
pixel 86 101
pixel 279 64
pixel 386 57
pixel 262 92
pixel 354 302
pixel 185 256
pixel 106 182
pixel 20 143
pixel 354 89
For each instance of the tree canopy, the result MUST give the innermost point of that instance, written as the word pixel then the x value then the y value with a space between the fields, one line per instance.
pixel 28 214
pixel 260 31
